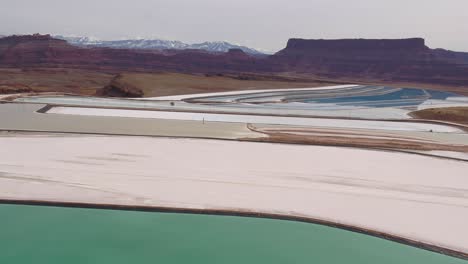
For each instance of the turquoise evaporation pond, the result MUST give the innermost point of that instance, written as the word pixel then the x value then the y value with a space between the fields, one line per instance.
pixel 400 98
pixel 36 234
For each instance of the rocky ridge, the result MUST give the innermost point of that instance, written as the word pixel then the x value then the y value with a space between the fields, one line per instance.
pixel 406 60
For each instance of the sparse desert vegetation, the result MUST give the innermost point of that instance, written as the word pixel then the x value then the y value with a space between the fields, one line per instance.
pixel 91 82
pixel 85 82
pixel 163 84
pixel 449 114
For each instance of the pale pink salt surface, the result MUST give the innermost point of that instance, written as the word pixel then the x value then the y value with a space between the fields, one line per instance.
pixel 415 197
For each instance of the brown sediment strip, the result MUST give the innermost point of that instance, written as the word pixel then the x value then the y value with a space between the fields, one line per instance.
pixel 328 139
pixel 339 134
pixel 243 213
pixel 454 114
pixel 12 97
pixel 375 148
pixel 357 142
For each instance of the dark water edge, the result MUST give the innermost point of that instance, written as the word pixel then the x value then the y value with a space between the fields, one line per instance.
pixel 39 234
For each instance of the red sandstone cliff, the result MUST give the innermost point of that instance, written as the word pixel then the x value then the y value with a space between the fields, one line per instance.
pixel 357 59
pixel 402 60
pixel 43 50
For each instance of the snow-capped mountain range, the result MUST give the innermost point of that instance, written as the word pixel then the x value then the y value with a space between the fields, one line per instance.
pixel 212 46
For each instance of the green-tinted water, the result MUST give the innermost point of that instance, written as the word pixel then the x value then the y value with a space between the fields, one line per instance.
pixel 32 234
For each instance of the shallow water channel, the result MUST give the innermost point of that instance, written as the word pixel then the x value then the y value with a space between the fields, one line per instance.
pixel 36 234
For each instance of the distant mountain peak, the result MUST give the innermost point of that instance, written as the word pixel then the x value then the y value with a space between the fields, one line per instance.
pixel 154 43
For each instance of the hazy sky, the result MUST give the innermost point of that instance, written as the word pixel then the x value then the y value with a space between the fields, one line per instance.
pixel 264 24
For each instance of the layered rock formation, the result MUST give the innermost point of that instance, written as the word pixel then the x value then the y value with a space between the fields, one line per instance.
pixel 30 49
pixel 356 45
pixel 43 50
pixel 14 88
pixel 119 88
pixel 408 60
pixel 401 60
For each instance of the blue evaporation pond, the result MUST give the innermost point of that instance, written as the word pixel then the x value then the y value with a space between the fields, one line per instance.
pixel 398 98
pixel 439 95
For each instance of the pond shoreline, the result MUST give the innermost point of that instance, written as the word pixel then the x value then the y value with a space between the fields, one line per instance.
pixel 297 218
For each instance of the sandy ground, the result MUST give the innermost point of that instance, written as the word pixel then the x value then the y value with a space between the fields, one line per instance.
pixel 449 114
pixel 402 140
pixel 390 192
pixel 4 96
pixel 56 79
pixel 87 82
pixel 170 84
